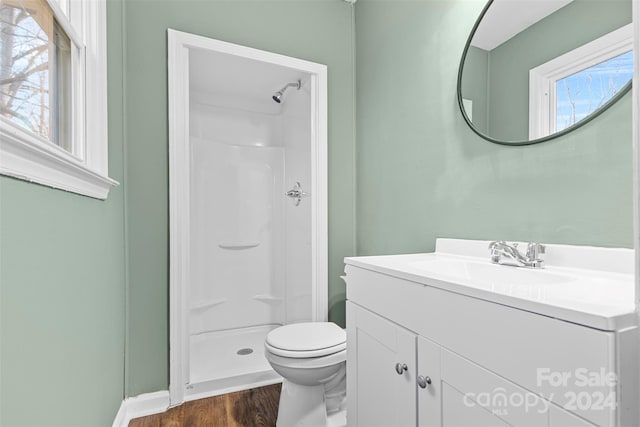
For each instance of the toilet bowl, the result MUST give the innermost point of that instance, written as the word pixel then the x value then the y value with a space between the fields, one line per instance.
pixel 311 358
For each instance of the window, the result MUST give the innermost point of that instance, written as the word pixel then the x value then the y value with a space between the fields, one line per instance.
pixel 569 88
pixel 583 92
pixel 35 71
pixel 53 123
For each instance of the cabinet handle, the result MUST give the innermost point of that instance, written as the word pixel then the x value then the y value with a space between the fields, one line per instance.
pixel 423 382
pixel 401 368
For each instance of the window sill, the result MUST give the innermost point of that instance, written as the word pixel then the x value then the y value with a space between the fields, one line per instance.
pixel 31 159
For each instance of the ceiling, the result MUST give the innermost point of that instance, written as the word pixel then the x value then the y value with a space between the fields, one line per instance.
pixel 230 75
pixel 506 18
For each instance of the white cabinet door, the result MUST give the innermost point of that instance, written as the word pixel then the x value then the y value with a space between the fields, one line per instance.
pixel 488 394
pixel 440 404
pixel 381 371
pixel 457 413
pixel 561 418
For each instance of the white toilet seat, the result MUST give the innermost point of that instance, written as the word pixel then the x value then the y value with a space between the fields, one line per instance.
pixel 306 340
pixel 305 354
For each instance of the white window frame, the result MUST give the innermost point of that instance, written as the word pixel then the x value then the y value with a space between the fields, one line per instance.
pixel 25 155
pixel 543 78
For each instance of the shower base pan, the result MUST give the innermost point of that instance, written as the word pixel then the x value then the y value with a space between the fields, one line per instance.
pixel 227 361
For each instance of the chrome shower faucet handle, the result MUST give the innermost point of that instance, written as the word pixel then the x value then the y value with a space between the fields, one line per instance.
pixel 297 194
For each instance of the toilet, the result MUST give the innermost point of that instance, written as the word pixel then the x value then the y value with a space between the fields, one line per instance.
pixel 311 358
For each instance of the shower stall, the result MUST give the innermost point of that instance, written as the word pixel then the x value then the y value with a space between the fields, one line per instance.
pixel 247 209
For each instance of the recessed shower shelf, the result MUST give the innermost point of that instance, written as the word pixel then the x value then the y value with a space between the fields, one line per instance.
pixel 238 245
pixel 200 305
pixel 268 298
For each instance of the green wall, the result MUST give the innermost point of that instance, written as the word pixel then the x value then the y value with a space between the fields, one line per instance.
pixel 510 62
pixel 319 31
pixel 62 294
pixel 422 173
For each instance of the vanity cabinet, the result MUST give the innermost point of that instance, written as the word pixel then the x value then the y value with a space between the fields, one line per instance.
pixel 422 356
pixel 402 379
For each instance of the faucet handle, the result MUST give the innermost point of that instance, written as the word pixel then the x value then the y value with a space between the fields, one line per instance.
pixel 496 243
pixel 534 250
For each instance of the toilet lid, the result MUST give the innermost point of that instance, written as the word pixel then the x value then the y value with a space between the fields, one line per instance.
pixel 313 338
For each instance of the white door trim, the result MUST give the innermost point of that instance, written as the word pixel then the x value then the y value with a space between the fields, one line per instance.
pixel 636 147
pixel 179 44
pixel 636 181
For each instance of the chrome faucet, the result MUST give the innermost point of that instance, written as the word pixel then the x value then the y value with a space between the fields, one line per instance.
pixel 508 254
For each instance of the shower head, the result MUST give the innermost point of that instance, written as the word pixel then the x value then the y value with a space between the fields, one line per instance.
pixel 278 95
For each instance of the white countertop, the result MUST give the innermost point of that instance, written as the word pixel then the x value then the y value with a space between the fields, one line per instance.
pixel 584 285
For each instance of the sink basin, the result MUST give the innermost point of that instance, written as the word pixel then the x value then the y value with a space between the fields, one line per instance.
pixel 490 274
pixel 586 285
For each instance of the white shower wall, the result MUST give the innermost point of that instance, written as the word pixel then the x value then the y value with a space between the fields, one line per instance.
pixel 237 274
pixel 250 246
pixel 296 127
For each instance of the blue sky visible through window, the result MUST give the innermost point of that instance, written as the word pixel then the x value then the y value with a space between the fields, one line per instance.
pixel 24 74
pixel 579 94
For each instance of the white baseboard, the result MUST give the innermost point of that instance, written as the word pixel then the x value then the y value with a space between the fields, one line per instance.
pixel 141 406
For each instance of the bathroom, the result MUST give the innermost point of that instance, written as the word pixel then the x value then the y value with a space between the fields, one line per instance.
pixel 84 289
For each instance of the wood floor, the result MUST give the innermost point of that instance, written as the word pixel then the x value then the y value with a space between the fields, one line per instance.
pixel 256 407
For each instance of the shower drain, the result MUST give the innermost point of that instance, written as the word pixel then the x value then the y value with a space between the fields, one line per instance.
pixel 244 351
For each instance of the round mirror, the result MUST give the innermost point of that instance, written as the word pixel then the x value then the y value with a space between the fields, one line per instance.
pixel 533 70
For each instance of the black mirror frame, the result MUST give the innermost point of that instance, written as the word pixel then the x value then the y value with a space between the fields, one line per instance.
pixel 565 131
